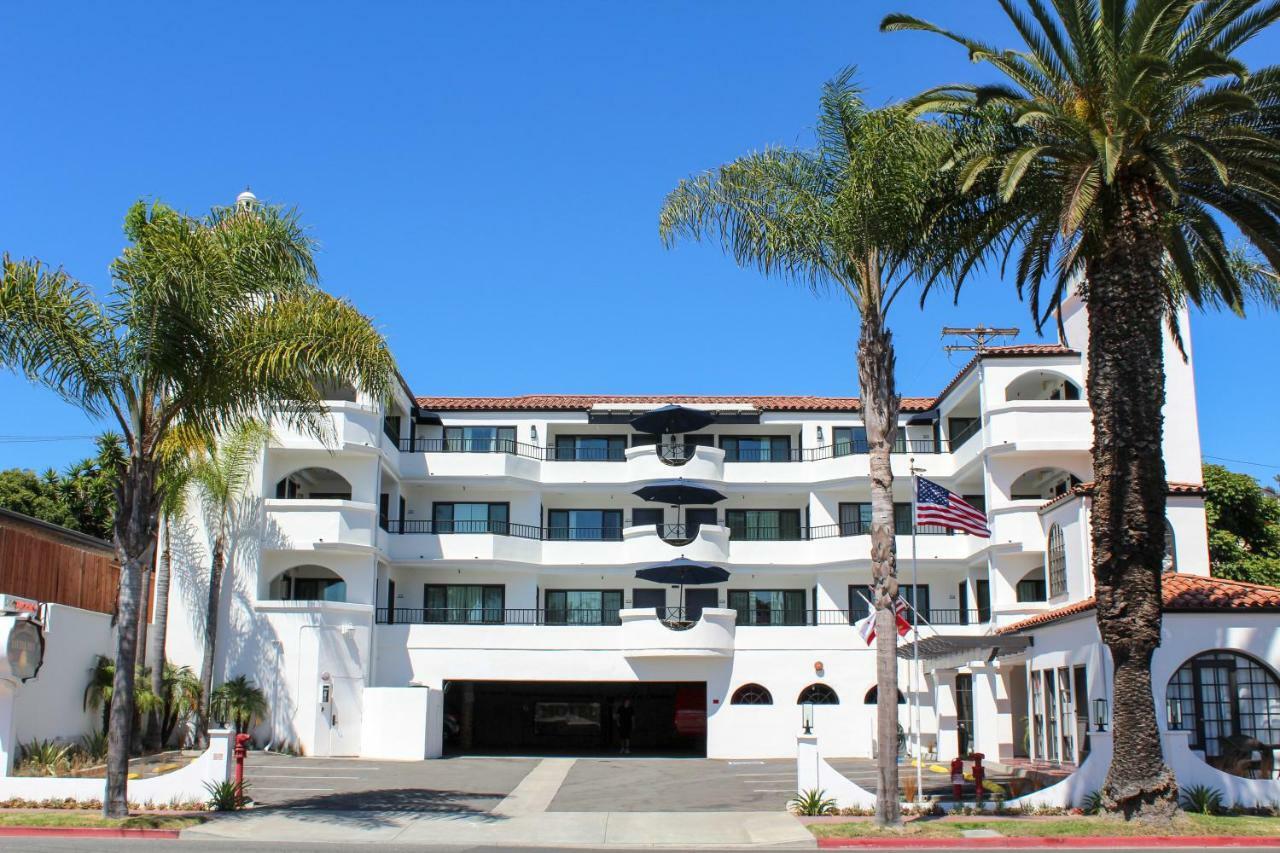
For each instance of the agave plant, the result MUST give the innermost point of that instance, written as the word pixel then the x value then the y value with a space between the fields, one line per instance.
pixel 46 757
pixel 1202 799
pixel 812 803
pixel 93 746
pixel 228 796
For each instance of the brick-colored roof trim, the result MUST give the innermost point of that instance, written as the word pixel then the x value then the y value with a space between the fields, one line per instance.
pixel 1192 489
pixel 768 403
pixel 1185 593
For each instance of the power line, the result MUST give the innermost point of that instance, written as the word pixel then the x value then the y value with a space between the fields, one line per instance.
pixel 1241 461
pixel 33 439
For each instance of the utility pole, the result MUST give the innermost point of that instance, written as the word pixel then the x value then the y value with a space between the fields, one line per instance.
pixel 978 337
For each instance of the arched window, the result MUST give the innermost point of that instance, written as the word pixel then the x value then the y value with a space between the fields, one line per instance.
pixel 314 484
pixel 307 583
pixel 1042 385
pixel 1031 587
pixel 873 696
pixel 1056 559
pixel 751 694
pixel 818 694
pixel 1042 484
pixel 1170 548
pixel 1231 705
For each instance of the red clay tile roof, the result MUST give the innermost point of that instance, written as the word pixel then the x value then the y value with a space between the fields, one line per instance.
pixel 1186 593
pixel 583 402
pixel 1194 489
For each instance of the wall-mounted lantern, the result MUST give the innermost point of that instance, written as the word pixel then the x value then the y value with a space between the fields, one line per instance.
pixel 806 717
pixel 1100 714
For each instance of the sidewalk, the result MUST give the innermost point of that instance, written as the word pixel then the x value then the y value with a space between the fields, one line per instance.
pixel 530 829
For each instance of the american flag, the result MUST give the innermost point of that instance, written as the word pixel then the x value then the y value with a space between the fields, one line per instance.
pixel 936 505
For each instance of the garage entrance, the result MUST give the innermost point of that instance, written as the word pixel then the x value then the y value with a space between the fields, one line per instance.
pixel 575 718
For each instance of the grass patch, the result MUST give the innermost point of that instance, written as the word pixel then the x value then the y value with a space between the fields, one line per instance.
pixel 95 819
pixel 1057 827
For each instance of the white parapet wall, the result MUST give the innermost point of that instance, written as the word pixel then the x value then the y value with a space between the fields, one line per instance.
pixel 813 773
pixel 187 785
pixel 401 723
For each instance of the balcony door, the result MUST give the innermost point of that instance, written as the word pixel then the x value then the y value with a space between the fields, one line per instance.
pixel 470 517
pixel 645 598
pixel 696 600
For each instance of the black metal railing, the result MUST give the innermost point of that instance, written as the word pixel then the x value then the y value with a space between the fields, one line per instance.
pixel 767 533
pixel 676 454
pixel 763 454
pixel 860 447
pixel 496 616
pixel 587 534
pixel 465 526
pixel 677 534
pixel 586 454
pixel 472 445
pixel 676 616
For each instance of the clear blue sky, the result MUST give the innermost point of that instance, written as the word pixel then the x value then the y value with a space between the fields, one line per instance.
pixel 484 180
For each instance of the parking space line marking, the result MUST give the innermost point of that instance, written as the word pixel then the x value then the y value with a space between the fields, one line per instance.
pixel 772 791
pixel 253 775
pixel 265 788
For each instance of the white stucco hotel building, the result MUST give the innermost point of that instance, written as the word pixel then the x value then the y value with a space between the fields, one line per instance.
pixel 454 575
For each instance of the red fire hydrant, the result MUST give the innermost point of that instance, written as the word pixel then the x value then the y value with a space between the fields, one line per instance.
pixel 979 775
pixel 957 779
pixel 241 750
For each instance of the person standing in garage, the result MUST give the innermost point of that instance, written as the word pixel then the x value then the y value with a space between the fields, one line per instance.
pixel 624 716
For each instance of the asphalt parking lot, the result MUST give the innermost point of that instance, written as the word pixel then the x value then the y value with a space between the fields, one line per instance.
pixel 475 785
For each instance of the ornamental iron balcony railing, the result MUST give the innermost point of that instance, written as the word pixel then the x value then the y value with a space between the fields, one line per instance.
pixel 675 454
pixel 944 617
pixel 678 534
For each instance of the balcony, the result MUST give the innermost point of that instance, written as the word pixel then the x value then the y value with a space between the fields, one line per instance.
pixel 1040 426
pixel 317 525
pixel 645 635
pixel 643 624
pixel 352 426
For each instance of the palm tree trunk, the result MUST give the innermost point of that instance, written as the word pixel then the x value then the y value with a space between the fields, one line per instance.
pixel 880 417
pixel 210 636
pixel 135 545
pixel 159 635
pixel 1126 393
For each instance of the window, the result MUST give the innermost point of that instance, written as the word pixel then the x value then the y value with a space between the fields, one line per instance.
pixel 818 694
pixel 583 606
pixel 466 604
pixel 584 524
pixel 751 694
pixel 902 519
pixel 1057 560
pixel 471 517
pixel 872 696
pixel 763 448
pixel 763 524
pixel 961 430
pixel 1229 702
pixel 1031 587
pixel 917 597
pixel 591 448
pixel 855 519
pixel 860 595
pixel 1170 548
pixel 479 439
pixel 645 439
pixel 768 606
pixel 641 517
pixel 309 583
pixel 848 440
pixel 1050 713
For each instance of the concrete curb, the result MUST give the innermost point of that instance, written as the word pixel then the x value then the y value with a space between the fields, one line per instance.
pixel 1087 842
pixel 86 832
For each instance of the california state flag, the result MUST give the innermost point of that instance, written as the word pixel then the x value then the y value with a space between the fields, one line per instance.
pixel 867 626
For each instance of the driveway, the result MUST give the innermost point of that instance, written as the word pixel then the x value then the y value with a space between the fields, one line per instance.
pixel 455 785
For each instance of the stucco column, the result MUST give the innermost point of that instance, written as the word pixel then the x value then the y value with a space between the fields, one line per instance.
pixel 992 713
pixel 944 703
pixel 8 725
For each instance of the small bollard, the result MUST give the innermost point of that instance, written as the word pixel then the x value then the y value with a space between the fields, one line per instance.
pixel 957 779
pixel 979 775
pixel 241 750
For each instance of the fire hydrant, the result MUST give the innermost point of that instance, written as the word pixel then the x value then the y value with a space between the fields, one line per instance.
pixel 957 779
pixel 241 750
pixel 979 775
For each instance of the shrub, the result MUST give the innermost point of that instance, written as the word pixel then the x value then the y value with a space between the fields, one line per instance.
pixel 45 757
pixel 227 796
pixel 812 803
pixel 1202 799
pixel 1092 803
pixel 93 745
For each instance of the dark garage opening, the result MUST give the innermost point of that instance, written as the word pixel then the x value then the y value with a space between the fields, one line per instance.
pixel 573 718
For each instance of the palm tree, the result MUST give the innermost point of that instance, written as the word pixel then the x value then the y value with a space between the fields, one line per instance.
pixel 173 479
pixel 843 215
pixel 239 701
pixel 221 475
pixel 210 321
pixel 1123 131
pixel 97 693
pixel 179 697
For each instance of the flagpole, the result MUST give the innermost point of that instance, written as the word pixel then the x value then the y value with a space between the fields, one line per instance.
pixel 915 646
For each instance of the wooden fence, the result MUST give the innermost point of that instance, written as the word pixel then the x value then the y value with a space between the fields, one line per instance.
pixel 52 564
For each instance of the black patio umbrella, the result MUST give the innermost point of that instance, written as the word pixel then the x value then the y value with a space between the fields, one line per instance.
pixel 671 419
pixel 678 492
pixel 681 571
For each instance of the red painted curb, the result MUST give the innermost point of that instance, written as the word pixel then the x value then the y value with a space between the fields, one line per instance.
pixel 1060 843
pixel 87 832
